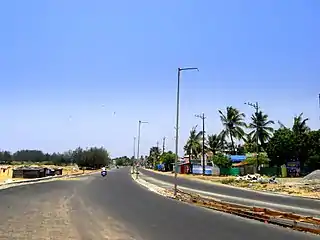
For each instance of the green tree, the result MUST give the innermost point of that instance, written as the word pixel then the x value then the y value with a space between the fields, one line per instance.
pixel 250 144
pixel 193 147
pixel 167 158
pixel 261 129
pixel 214 143
pixel 281 146
pixel 300 125
pixel 29 156
pixel 123 161
pixel 5 157
pixel 154 155
pixel 262 159
pixel 240 149
pixel 221 160
pixel 233 124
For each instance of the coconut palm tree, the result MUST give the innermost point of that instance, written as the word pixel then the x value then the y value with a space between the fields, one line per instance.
pixel 154 155
pixel 300 125
pixel 233 123
pixel 193 146
pixel 250 144
pixel 214 143
pixel 261 128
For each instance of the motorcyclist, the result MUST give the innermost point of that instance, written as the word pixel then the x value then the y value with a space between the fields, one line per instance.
pixel 103 169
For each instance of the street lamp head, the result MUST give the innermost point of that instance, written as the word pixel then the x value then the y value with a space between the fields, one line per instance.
pixel 188 68
pixel 143 121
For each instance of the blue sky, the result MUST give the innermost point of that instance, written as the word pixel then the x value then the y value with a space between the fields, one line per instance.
pixel 67 66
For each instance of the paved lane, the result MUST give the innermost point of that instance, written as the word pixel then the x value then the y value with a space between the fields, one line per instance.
pixel 115 207
pixel 225 190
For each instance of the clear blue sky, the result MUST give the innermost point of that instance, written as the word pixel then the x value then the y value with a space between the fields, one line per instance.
pixel 66 66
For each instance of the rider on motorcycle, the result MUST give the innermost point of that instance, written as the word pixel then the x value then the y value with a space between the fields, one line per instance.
pixel 103 171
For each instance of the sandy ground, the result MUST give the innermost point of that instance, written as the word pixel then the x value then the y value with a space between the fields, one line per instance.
pixel 67 170
pixel 290 186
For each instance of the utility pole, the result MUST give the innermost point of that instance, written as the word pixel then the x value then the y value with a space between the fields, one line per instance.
pixel 177 127
pixel 134 151
pixel 163 144
pixel 134 154
pixel 203 143
pixel 157 144
pixel 256 107
pixel 319 104
pixel 134 147
pixel 138 151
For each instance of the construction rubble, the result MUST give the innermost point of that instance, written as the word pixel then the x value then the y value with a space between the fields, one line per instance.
pixel 253 178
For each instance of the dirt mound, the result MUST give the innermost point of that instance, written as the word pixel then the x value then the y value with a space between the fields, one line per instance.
pixel 315 175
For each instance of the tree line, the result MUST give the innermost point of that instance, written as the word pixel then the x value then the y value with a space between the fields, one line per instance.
pixel 259 136
pixel 90 157
pixel 156 156
pixel 124 161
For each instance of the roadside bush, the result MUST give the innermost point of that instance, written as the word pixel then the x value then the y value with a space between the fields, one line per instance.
pixel 228 181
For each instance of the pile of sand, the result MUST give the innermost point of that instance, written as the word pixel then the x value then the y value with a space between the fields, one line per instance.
pixel 315 175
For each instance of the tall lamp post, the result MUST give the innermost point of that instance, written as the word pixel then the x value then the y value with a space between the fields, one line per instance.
pixel 138 151
pixel 319 104
pixel 134 153
pixel 177 126
pixel 203 143
pixel 256 107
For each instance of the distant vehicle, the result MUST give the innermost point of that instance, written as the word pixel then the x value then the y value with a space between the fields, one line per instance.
pixel 117 167
pixel 103 173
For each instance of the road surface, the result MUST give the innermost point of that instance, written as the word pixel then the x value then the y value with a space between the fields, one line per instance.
pixel 116 207
pixel 225 190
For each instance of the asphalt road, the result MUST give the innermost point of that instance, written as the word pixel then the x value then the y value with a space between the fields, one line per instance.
pixel 225 190
pixel 115 207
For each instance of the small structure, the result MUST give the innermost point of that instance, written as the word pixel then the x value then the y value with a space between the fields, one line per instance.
pixel 58 171
pixel 5 171
pixel 29 172
pixel 183 168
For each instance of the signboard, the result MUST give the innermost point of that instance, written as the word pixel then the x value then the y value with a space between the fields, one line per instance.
pixel 197 169
pixel 293 168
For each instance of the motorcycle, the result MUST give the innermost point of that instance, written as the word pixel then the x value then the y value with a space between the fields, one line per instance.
pixel 103 173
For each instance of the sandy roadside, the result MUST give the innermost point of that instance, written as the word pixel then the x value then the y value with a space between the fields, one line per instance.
pixel 66 171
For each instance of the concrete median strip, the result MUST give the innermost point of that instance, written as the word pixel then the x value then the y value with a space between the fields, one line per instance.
pixel 220 203
pixel 237 200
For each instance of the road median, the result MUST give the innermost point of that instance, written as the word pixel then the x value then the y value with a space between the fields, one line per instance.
pixel 298 222
pixel 286 187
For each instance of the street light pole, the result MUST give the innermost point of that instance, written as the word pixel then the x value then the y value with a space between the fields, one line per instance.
pixel 256 107
pixel 163 144
pixel 134 154
pixel 138 151
pixel 319 104
pixel 134 147
pixel 177 127
pixel 203 143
